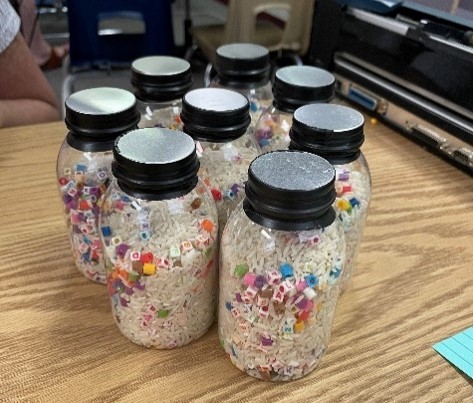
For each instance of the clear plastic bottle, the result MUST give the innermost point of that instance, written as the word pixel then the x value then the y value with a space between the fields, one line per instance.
pixel 294 86
pixel 159 227
pixel 159 83
pixel 281 257
pixel 95 118
pixel 245 68
pixel 335 132
pixel 217 119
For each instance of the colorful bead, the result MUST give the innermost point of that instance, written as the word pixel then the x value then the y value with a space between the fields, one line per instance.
pixel 299 326
pixel 186 246
pixel 343 176
pixel 266 341
pixel 274 277
pixel 235 188
pixel 354 202
pixel 286 270
pixel 196 203
pixel 344 205
pixel 207 225
pixel 145 235
pixel 309 293
pixel 163 313
pixel 121 250
pixel 115 241
pixel 304 315
pixel 135 255
pixel 174 251
pixel 335 273
pixel 241 270
pixel 146 257
pixel 149 269
pixel 259 281
pixel 301 285
pixel 249 278
pixel 346 189
pixel 263 312
pixel 217 194
pixel 228 194
pixel 311 280
pixel 251 291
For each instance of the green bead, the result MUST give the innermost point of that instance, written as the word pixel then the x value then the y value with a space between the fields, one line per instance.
pixel 133 276
pixel 162 313
pixel 241 270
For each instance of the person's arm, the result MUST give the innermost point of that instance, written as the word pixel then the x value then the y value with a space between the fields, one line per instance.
pixel 25 95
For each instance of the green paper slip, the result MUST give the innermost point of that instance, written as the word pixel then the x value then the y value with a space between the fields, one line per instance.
pixel 458 349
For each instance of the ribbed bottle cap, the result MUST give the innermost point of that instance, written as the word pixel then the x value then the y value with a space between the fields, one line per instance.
pixel 215 114
pixel 160 78
pixel 155 163
pixel 242 64
pixel 97 116
pixel 334 132
pixel 290 191
pixel 295 86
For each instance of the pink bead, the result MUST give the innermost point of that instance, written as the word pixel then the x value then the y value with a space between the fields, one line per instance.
pixel 249 278
pixel 301 285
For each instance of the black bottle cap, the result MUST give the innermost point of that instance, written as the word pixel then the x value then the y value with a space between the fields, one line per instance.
pixel 295 86
pixel 155 163
pixel 290 191
pixel 215 115
pixel 96 117
pixel 334 132
pixel 160 78
pixel 242 65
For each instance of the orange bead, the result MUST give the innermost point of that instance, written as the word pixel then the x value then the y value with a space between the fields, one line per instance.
pixel 207 225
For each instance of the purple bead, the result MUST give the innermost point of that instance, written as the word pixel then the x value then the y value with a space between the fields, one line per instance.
pixel 71 205
pixel 129 291
pixel 67 198
pixel 238 297
pixel 235 188
pixel 121 249
pixel 139 286
pixel 123 302
pixel 266 341
pixel 302 304
pixel 259 281
pixel 344 176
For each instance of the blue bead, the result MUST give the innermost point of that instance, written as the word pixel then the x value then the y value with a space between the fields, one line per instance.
pixel 311 280
pixel 354 202
pixel 263 142
pixel 81 168
pixel 228 194
pixel 286 270
pixel 228 305
pixel 335 273
pixel 106 231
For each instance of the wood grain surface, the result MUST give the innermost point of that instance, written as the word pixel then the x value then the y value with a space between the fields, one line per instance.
pixel 412 287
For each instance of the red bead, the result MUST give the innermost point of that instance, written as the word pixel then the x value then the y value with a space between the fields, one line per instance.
pixel 84 205
pixel 304 315
pixel 146 257
pixel 63 181
pixel 217 194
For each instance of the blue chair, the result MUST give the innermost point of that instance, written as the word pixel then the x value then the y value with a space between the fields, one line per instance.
pixel 105 35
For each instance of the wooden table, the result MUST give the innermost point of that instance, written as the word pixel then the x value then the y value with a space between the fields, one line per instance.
pixel 413 286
